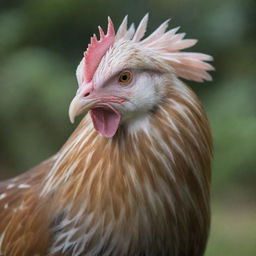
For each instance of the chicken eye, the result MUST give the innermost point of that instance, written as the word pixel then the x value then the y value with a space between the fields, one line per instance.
pixel 125 77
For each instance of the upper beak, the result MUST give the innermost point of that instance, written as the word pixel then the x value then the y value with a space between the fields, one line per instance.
pixel 79 105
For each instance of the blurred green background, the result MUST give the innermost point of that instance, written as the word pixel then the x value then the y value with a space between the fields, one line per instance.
pixel 41 43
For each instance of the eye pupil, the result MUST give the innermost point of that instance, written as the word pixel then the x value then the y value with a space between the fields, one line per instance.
pixel 125 77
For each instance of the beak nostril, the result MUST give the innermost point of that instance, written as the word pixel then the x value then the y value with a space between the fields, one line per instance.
pixel 87 94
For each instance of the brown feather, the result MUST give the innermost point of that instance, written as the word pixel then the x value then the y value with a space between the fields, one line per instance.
pixel 136 194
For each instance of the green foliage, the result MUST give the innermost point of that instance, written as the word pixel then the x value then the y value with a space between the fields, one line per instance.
pixel 231 110
pixel 36 91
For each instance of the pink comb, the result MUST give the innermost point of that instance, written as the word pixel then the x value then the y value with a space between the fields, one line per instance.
pixel 97 49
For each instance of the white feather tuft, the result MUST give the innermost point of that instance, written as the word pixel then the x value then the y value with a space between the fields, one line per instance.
pixel 140 32
pixel 129 34
pixel 167 46
pixel 157 33
pixel 122 29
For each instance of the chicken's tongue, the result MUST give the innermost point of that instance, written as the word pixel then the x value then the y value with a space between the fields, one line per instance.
pixel 105 120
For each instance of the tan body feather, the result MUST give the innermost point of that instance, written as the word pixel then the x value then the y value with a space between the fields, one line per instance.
pixel 141 193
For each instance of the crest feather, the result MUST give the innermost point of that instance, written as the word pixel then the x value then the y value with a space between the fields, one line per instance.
pixel 141 30
pixel 168 47
pixel 157 33
pixel 122 29
pixel 129 34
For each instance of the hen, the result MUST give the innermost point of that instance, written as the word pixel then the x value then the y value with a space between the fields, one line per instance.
pixel 134 177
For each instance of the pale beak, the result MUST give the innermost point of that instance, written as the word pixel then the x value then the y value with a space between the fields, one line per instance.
pixel 80 105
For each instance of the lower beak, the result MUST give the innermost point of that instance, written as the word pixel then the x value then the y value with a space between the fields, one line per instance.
pixel 79 105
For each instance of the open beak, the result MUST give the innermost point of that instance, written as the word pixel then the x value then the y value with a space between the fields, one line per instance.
pixel 105 117
pixel 80 105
